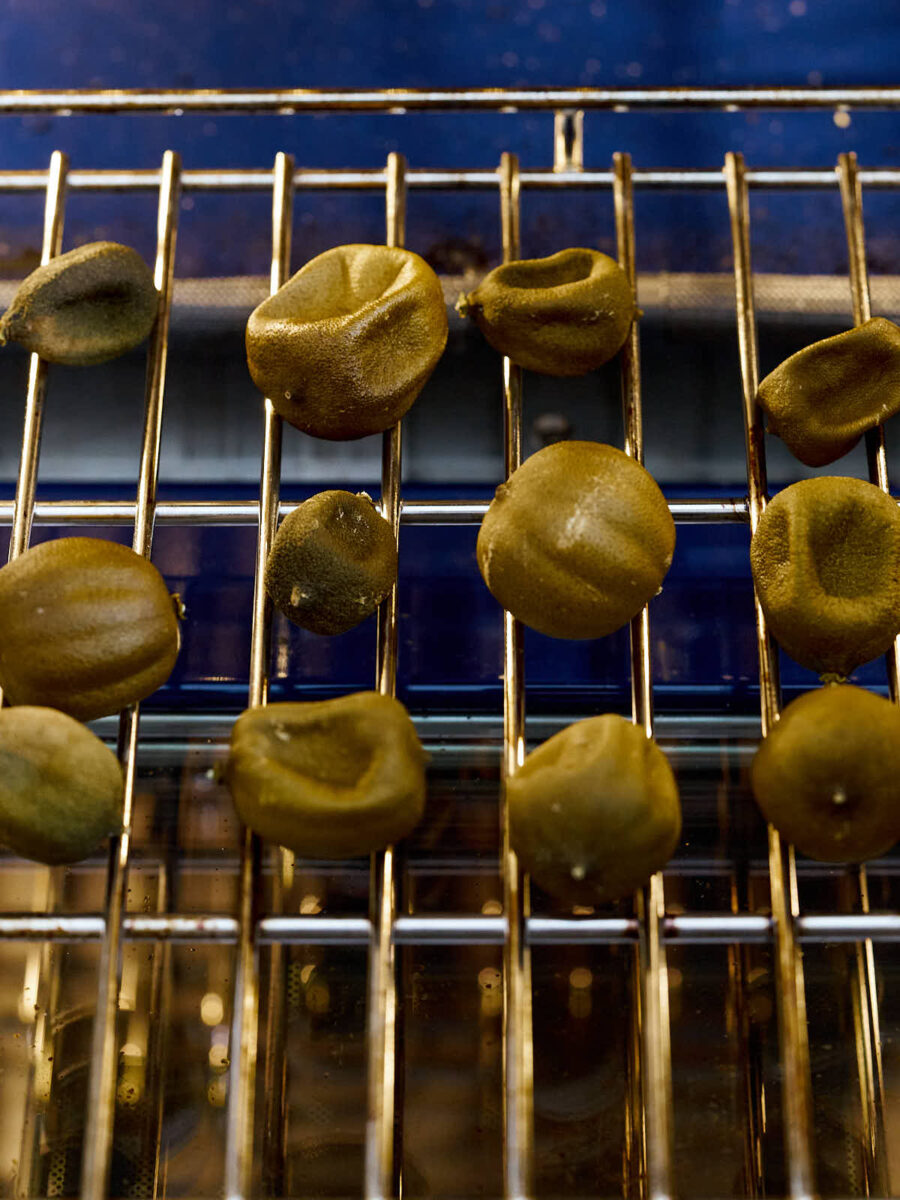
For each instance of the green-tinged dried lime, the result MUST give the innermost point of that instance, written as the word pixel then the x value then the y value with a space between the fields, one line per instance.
pixel 61 789
pixel 332 562
pixel 84 307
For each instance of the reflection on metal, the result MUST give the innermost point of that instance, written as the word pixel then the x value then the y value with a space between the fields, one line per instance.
pixel 245 1012
pixel 867 1023
pixel 383 1158
pixel 653 1065
pixel 685 929
pixel 246 512
pixel 796 1086
pixel 518 1071
pixel 400 100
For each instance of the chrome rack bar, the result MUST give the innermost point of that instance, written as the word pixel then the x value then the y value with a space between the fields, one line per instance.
pixel 796 1086
pixel 216 179
pixel 285 101
pixel 865 989
pixel 655 1071
pixel 383 1159
pixel 245 1013
pixel 102 1077
pixel 22 516
pixel 685 928
pixel 246 512
pixel 518 1067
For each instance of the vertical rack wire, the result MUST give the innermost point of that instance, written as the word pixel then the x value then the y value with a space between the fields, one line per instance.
pixel 518 1068
pixel 45 957
pixel 654 1031
pixel 793 1033
pixel 245 1013
pixel 865 995
pixel 102 1071
pixel 383 1152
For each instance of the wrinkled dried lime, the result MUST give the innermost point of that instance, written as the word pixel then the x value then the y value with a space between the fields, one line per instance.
pixel 346 346
pixel 822 399
pixel 826 564
pixel 332 562
pixel 562 315
pixel 328 779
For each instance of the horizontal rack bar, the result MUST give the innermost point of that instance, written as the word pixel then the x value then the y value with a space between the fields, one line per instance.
pixel 451 930
pixel 251 179
pixel 286 101
pixel 246 512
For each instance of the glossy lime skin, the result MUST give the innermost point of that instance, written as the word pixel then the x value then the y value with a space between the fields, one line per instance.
pixel 822 399
pixel 329 779
pixel 594 811
pixel 563 315
pixel 86 626
pixel 346 346
pixel 828 774
pixel 332 562
pixel 84 307
pixel 826 563
pixel 61 789
pixel 577 540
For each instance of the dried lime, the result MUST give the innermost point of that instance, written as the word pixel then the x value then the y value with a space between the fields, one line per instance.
pixel 61 789
pixel 332 562
pixel 345 347
pixel 86 626
pixel 84 307
pixel 562 315
pixel 594 811
pixel 828 774
pixel 329 779
pixel 822 399
pixel 826 564
pixel 577 540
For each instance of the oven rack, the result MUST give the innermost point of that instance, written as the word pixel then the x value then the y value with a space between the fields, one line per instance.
pixel 651 928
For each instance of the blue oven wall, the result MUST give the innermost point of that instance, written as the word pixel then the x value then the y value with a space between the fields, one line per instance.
pixel 449 43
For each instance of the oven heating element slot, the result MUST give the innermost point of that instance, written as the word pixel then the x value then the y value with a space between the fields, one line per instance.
pixel 649 1120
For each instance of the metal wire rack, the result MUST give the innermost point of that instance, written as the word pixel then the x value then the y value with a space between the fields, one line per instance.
pixel 651 929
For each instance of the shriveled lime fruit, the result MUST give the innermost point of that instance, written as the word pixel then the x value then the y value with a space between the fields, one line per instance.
pixel 577 540
pixel 563 315
pixel 594 811
pixel 61 789
pixel 822 399
pixel 86 626
pixel 345 347
pixel 828 774
pixel 826 564
pixel 329 779
pixel 84 307
pixel 332 562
